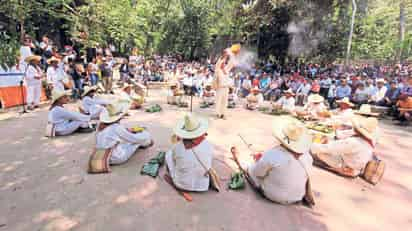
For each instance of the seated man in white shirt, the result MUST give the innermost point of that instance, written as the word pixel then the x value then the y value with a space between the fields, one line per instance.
pixel 380 91
pixel 254 99
pixel 191 157
pixel 315 108
pixel 63 121
pixel 348 157
pixel 286 102
pixel 232 98
pixel 123 142
pixel 90 104
pixel 282 173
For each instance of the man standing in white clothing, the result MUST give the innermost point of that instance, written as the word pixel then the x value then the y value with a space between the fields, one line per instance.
pixel 222 82
pixel 34 74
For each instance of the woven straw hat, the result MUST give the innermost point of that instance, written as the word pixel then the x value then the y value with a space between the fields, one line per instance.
pixel 292 134
pixel 191 127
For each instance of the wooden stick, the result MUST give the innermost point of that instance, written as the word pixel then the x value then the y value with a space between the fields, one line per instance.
pixel 249 179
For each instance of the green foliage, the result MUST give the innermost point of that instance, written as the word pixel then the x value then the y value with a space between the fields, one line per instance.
pixel 9 47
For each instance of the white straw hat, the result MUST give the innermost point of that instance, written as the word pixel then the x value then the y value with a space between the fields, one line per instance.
pixel 88 89
pixel 56 95
pixel 345 101
pixel 292 134
pixel 366 109
pixel 315 98
pixel 366 127
pixel 191 127
pixel 111 114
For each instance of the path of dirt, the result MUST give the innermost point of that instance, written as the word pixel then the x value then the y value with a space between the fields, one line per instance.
pixel 44 184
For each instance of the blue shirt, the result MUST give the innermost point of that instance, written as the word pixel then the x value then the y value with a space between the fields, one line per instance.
pixel 342 92
pixel 264 83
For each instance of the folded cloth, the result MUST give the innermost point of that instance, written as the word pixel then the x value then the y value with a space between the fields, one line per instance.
pixel 152 167
pixel 237 181
pixel 154 108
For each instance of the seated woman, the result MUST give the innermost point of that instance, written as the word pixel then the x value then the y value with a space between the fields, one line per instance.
pixel 64 121
pixel 282 172
pixel 348 157
pixel 127 97
pixel 286 102
pixel 124 142
pixel 254 99
pixel 315 108
pixel 208 96
pixel 191 157
pixel 90 104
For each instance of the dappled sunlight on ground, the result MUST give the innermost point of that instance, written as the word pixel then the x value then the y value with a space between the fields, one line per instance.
pixel 44 184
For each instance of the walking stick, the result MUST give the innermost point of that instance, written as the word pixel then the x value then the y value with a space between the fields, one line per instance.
pixel 22 97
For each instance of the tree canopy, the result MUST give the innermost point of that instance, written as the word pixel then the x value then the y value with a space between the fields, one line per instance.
pixel 310 30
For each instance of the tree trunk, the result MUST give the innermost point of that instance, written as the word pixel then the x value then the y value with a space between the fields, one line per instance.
pixel 402 24
pixel 352 24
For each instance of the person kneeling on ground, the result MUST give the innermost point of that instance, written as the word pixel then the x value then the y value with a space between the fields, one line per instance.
pixel 282 173
pixel 190 158
pixel 123 142
pixel 64 121
pixel 232 98
pixel 315 108
pixel 126 96
pixel 286 102
pixel 348 157
pixel 208 96
pixel 90 104
pixel 254 99
pixel 404 106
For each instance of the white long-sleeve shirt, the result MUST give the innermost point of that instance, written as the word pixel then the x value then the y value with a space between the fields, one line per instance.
pixel 286 104
pixel 186 171
pixel 354 151
pixel 65 121
pixel 54 77
pixel 31 74
pixel 281 176
pixel 379 94
pixel 93 106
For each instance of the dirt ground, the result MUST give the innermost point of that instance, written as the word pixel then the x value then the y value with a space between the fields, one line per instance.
pixel 44 184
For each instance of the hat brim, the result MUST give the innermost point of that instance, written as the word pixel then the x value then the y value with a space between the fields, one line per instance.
pixel 89 90
pixel 202 129
pixel 365 133
pixel 52 60
pixel 64 93
pixel 104 118
pixel 345 102
pixel 300 146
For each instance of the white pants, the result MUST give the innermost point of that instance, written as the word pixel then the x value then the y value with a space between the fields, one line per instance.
pixel 33 94
pixel 222 96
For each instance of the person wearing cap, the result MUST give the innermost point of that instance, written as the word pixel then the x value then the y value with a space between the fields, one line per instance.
pixel 90 104
pixel 286 102
pixel 208 96
pixel 282 172
pixel 191 155
pixel 124 142
pixel 254 99
pixel 33 77
pixel 65 121
pixel 315 108
pixel 380 91
pixel 349 156
pixel 54 75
